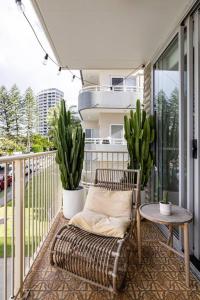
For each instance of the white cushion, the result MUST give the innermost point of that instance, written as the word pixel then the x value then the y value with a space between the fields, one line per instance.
pixel 105 212
pixel 101 224
pixel 110 203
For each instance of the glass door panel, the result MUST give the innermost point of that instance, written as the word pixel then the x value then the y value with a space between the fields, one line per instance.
pixel 166 93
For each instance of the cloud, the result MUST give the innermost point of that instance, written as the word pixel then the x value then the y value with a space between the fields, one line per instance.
pixel 21 56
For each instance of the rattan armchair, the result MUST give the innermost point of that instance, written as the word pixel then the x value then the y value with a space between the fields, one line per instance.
pixel 97 259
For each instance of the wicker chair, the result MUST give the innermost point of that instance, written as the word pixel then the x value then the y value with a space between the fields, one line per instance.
pixel 99 260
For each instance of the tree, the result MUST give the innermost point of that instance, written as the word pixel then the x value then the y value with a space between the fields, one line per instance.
pixel 18 109
pixel 6 112
pixel 52 118
pixel 30 115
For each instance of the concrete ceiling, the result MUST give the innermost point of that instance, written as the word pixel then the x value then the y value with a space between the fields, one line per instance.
pixel 107 34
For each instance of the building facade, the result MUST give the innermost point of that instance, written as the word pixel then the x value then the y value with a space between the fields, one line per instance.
pixel 103 105
pixel 46 99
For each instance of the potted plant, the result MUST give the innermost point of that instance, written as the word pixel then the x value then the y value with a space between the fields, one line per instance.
pixel 70 142
pixel 140 134
pixel 165 205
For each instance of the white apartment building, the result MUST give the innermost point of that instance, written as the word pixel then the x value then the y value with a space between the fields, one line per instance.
pixel 46 99
pixel 106 96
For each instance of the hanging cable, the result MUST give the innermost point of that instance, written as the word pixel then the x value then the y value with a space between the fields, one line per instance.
pixel 47 56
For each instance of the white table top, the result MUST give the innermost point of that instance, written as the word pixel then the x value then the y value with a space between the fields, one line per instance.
pixel 151 211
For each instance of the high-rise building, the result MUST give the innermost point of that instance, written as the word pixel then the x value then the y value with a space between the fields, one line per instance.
pixel 46 99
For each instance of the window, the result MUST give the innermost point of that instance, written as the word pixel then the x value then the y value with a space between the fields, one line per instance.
pixel 117 131
pixel 88 133
pixel 118 81
pixel 131 81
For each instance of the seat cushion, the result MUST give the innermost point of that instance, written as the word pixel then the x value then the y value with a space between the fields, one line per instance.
pixel 101 223
pixel 110 203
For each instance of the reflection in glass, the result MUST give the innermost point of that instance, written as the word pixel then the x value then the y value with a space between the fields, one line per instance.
pixel 166 92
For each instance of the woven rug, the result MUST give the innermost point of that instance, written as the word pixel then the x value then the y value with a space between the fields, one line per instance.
pixel 160 276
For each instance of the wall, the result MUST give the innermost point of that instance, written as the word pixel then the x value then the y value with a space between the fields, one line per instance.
pixel 105 76
pixel 90 124
pixel 106 119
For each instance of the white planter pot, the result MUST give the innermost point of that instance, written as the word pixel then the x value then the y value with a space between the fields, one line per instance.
pixel 73 202
pixel 166 209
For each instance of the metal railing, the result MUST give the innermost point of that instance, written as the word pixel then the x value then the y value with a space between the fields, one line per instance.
pixel 30 199
pixel 112 88
pixel 108 140
pixel 94 159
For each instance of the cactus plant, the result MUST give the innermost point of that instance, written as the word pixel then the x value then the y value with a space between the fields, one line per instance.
pixel 70 142
pixel 140 134
pixel 165 197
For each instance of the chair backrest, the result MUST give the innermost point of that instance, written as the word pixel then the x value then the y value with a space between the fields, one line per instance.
pixel 121 180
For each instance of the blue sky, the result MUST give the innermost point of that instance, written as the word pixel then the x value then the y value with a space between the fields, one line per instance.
pixel 21 57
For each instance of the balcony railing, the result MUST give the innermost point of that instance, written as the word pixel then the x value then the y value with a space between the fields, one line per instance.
pixel 109 140
pixel 108 97
pixel 112 88
pixel 102 159
pixel 29 202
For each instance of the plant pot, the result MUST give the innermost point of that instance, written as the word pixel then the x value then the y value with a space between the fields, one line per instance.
pixel 165 209
pixel 73 202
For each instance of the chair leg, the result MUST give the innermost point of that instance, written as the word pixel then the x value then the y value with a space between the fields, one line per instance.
pixel 139 236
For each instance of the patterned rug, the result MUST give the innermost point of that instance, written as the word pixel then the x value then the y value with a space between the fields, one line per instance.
pixel 160 276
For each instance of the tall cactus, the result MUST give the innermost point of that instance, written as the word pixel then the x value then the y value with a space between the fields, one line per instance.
pixel 140 134
pixel 70 142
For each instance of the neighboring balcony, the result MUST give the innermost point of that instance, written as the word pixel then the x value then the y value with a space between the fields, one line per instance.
pixel 106 144
pixel 102 98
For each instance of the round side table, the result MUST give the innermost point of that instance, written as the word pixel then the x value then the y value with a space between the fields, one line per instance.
pixel 180 217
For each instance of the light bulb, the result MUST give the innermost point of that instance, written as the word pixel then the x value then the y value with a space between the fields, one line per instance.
pixel 20 5
pixel 45 59
pixel 59 71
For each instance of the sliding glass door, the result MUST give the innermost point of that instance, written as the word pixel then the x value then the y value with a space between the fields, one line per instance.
pixel 166 105
pixel 177 111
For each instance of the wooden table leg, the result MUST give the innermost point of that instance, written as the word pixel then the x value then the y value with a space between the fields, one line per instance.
pixel 170 238
pixel 139 236
pixel 186 254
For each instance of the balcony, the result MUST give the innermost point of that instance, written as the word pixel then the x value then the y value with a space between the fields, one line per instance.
pixel 30 216
pixel 95 99
pixel 106 144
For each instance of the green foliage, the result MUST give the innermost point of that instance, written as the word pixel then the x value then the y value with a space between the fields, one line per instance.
pixel 70 142
pixel 37 148
pixel 52 120
pixel 140 135
pixel 39 143
pixel 6 112
pixel 30 123
pixel 9 145
pixel 18 110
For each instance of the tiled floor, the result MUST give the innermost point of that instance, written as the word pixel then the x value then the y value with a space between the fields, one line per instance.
pixel 158 277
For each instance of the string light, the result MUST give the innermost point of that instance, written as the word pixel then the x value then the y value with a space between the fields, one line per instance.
pixel 59 71
pixel 46 57
pixel 19 5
